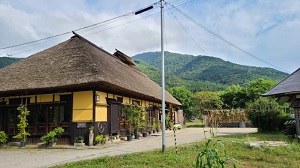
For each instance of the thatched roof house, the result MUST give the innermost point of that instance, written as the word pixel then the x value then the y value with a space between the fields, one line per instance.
pixel 77 83
pixel 74 64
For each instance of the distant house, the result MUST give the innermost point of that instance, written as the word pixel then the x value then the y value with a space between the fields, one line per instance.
pixel 73 85
pixel 288 90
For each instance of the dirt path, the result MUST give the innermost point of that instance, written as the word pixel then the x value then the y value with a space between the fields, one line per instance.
pixel 24 158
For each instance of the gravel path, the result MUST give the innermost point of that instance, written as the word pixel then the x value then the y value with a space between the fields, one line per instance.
pixel 33 157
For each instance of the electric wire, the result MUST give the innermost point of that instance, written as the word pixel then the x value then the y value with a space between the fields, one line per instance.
pixel 86 27
pixel 82 30
pixel 187 32
pixel 223 39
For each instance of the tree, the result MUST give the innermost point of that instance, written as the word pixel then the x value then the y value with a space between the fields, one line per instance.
pixel 207 100
pixel 184 96
pixel 234 96
pixel 266 114
pixel 258 87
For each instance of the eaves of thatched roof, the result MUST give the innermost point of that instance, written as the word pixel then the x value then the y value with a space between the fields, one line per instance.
pixel 78 63
pixel 290 85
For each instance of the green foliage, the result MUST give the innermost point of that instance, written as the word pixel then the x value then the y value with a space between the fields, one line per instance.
pixel 91 128
pixel 214 155
pixel 3 137
pixel 23 123
pixel 169 123
pixel 267 115
pixel 281 156
pixel 100 138
pixel 234 96
pixel 79 138
pixel 258 87
pixel 201 73
pixel 52 135
pixel 206 100
pixel 5 61
pixel 134 116
pixel 184 96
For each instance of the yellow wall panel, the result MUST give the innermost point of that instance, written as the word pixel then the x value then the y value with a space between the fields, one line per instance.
pixel 32 99
pixel 147 103
pixel 102 97
pixel 6 100
pixel 101 113
pixel 83 100
pixel 82 115
pixel 126 100
pixel 45 98
pixel 110 96
pixel 56 97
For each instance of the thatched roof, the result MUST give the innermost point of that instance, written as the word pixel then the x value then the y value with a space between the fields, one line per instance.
pixel 77 63
pixel 290 85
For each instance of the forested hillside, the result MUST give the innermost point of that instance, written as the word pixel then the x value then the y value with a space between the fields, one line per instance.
pixel 4 61
pixel 201 72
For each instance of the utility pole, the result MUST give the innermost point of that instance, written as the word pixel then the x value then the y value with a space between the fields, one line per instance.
pixel 163 77
pixel 162 3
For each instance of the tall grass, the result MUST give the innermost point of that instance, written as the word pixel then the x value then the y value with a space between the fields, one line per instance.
pixel 235 146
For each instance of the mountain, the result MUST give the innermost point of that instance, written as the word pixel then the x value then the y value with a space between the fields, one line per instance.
pixel 4 61
pixel 201 72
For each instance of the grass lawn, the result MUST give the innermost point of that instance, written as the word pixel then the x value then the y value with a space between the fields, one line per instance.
pixel 194 124
pixel 235 147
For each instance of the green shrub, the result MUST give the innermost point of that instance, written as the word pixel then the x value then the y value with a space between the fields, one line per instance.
pixel 79 138
pixel 3 137
pixel 100 138
pixel 266 115
pixel 52 135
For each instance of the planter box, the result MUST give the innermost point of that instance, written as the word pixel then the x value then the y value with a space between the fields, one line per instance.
pixel 79 144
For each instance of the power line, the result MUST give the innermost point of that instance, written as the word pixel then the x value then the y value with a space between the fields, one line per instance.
pixel 86 28
pixel 223 39
pixel 188 33
pixel 108 20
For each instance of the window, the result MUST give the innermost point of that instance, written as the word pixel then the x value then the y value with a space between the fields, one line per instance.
pixel 120 99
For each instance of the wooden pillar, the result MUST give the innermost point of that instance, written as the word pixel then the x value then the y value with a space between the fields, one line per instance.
pixel 297 118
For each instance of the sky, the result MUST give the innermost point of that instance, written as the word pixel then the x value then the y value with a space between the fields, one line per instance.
pixel 262 33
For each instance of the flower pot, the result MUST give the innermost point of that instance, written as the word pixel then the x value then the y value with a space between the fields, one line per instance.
pixel 144 134
pixel 49 145
pixel 137 136
pixel 22 144
pixel 129 138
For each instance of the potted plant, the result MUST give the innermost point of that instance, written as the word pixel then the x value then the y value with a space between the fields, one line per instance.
pixel 100 139
pixel 3 137
pixel 169 123
pixel 157 126
pixel 91 128
pixel 153 125
pixel 131 117
pixel 51 137
pixel 22 125
pixel 79 139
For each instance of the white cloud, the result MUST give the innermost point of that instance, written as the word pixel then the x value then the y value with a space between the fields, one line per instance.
pixel 267 28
